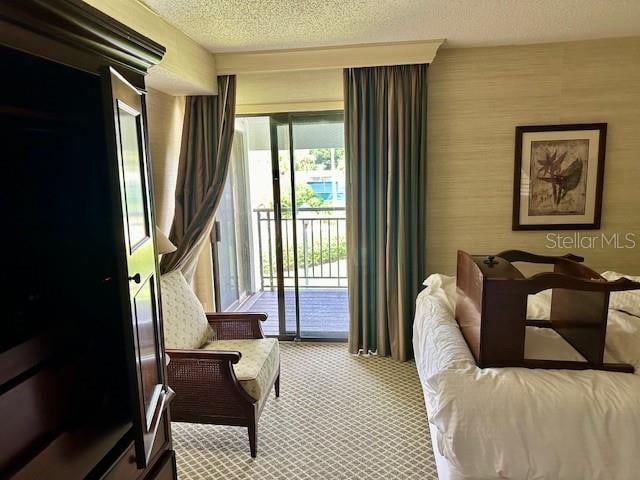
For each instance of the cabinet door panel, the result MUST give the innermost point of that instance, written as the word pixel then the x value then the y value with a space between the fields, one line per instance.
pixel 149 393
pixel 130 130
pixel 166 469
pixel 125 468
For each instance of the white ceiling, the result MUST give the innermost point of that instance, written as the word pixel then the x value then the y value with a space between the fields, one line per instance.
pixel 248 25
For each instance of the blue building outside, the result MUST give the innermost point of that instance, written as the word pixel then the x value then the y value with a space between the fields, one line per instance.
pixel 324 189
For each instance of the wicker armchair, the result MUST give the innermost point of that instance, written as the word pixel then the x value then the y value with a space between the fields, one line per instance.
pixel 206 386
pixel 211 383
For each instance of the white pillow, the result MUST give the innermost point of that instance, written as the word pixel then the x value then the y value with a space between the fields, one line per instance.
pixel 438 280
pixel 628 301
pixel 185 323
pixel 441 284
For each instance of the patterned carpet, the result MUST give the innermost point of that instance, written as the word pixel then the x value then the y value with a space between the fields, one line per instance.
pixel 338 417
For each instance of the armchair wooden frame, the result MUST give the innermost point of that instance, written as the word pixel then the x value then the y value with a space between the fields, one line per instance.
pixel 207 390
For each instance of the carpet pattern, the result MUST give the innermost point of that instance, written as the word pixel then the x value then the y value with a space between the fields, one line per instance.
pixel 338 417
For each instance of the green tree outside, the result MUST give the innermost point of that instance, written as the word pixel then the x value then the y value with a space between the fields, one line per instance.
pixel 323 157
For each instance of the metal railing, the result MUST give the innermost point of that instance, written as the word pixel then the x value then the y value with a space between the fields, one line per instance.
pixel 322 247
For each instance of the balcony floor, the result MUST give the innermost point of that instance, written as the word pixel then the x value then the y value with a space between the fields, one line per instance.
pixel 324 312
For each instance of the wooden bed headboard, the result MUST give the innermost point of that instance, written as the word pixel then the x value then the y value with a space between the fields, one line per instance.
pixel 492 309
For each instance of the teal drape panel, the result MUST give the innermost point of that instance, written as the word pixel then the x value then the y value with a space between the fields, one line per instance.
pixel 385 133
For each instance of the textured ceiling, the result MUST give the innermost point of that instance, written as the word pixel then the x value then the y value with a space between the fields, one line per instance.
pixel 247 25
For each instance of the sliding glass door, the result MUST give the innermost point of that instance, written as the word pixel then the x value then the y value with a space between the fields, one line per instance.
pixel 294 219
pixel 318 166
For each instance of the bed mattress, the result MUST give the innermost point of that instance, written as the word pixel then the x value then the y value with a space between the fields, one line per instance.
pixel 516 423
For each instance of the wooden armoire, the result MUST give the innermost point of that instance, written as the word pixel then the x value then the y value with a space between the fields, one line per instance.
pixel 82 365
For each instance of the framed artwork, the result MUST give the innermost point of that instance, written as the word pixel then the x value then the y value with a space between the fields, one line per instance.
pixel 559 174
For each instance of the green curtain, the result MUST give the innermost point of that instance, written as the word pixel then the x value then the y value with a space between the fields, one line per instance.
pixel 207 137
pixel 386 134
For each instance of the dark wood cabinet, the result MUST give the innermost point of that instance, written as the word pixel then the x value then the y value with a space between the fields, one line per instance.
pixel 83 390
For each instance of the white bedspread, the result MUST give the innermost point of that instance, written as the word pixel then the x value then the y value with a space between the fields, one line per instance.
pixel 516 423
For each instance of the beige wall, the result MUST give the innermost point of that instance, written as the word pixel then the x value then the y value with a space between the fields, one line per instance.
pixel 299 91
pixel 165 115
pixel 478 96
pixel 203 279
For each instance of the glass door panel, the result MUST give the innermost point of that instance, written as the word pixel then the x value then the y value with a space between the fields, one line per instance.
pixel 249 221
pixel 319 171
pixel 232 235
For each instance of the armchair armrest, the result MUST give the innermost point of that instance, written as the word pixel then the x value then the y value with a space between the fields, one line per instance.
pixel 236 316
pixel 236 325
pixel 205 385
pixel 210 355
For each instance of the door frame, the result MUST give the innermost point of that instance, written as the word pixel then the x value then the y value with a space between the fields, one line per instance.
pixel 274 122
pixel 284 119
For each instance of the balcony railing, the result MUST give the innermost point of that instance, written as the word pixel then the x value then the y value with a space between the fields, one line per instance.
pixel 321 247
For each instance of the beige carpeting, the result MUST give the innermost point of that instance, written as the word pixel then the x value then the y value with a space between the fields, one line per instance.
pixel 338 417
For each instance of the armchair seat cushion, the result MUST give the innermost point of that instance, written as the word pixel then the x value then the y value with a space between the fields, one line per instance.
pixel 258 367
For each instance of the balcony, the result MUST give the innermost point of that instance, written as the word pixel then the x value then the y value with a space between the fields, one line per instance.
pixel 320 235
pixel 324 312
